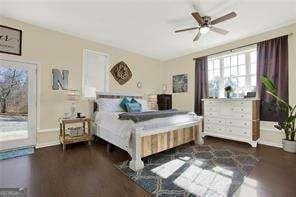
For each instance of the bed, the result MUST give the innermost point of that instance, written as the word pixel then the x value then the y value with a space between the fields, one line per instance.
pixel 144 138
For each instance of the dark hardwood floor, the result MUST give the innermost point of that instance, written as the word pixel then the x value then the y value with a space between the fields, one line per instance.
pixel 87 171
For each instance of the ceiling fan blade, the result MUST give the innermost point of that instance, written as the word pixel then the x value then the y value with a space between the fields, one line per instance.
pixel 197 36
pixel 219 30
pixel 188 29
pixel 197 17
pixel 224 18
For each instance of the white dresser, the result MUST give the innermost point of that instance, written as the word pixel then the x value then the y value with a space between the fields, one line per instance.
pixel 234 119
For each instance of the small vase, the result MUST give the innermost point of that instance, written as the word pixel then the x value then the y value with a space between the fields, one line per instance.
pixel 228 95
pixel 289 146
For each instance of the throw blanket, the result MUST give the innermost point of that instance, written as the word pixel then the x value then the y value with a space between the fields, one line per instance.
pixel 148 115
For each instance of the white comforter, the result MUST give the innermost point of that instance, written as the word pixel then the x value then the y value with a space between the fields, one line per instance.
pixel 109 126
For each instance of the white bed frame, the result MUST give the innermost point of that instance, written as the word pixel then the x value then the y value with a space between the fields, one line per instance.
pixel 148 142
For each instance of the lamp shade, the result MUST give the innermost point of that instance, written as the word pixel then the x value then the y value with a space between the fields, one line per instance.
pixel 152 98
pixel 73 95
pixel 164 88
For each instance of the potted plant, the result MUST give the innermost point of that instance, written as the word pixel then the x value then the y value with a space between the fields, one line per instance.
pixel 288 124
pixel 228 90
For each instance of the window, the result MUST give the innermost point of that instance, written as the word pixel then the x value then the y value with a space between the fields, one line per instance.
pixel 95 76
pixel 237 69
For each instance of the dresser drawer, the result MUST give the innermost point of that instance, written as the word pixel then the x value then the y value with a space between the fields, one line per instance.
pixel 210 114
pixel 215 121
pixel 243 104
pixel 241 110
pixel 239 123
pixel 211 109
pixel 220 129
pixel 245 116
pixel 239 131
pixel 208 128
pixel 212 128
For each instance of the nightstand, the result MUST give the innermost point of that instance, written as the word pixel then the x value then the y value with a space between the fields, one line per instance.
pixel 67 138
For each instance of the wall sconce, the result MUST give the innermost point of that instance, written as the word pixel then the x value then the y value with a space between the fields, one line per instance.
pixel 139 84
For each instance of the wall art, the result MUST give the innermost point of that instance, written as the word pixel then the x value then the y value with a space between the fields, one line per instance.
pixel 180 83
pixel 10 40
pixel 60 79
pixel 121 73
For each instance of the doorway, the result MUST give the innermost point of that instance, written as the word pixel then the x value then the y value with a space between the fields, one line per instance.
pixel 18 100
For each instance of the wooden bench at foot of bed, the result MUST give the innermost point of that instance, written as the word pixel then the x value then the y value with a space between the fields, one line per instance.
pixel 158 141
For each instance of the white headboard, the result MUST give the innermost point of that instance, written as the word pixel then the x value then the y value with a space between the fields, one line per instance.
pixel 115 95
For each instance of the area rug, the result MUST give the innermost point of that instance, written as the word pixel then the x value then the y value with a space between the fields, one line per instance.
pixel 192 171
pixel 8 154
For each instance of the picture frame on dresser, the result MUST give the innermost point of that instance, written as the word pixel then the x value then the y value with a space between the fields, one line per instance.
pixel 233 119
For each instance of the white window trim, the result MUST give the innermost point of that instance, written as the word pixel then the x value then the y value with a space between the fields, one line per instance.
pixel 221 56
pixel 106 89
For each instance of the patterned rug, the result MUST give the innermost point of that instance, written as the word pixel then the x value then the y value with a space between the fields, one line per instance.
pixel 8 154
pixel 192 171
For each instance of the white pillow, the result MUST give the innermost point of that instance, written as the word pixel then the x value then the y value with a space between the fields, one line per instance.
pixel 144 104
pixel 109 105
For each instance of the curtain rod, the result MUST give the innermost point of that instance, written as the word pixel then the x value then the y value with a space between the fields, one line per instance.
pixel 230 50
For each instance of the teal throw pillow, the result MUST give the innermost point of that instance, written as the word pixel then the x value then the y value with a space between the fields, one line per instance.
pixel 133 107
pixel 123 103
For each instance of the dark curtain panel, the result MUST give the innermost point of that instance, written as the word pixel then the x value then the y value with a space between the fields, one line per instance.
pixel 201 83
pixel 272 61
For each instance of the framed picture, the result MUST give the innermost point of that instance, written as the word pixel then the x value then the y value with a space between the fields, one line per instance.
pixel 10 40
pixel 180 83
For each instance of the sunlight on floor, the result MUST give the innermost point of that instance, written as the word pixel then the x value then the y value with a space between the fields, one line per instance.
pixel 199 182
pixel 167 169
pixel 223 171
pixel 195 179
pixel 248 188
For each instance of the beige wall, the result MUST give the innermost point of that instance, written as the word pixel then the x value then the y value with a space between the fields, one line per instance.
pixel 52 49
pixel 185 64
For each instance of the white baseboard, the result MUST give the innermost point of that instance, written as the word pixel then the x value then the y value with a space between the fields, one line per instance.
pixel 46 144
pixel 268 143
pixel 48 130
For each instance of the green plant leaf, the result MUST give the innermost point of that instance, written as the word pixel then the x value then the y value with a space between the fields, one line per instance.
pixel 269 85
pixel 279 99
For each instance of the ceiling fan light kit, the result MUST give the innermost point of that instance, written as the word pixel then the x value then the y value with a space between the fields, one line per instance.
pixel 204 30
pixel 205 24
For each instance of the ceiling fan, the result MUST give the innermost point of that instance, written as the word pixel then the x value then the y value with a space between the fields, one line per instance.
pixel 205 24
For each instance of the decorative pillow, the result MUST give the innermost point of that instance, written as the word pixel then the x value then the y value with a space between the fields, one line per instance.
pixel 123 104
pixel 109 105
pixel 133 100
pixel 133 107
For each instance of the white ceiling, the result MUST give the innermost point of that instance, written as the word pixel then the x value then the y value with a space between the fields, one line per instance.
pixel 147 26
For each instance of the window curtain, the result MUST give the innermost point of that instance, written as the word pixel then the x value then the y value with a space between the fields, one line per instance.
pixel 272 61
pixel 201 83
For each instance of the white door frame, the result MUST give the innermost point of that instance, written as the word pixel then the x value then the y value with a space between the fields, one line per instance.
pixel 33 101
